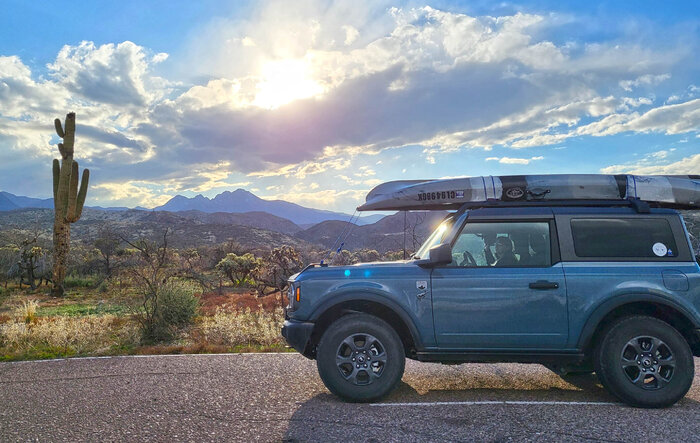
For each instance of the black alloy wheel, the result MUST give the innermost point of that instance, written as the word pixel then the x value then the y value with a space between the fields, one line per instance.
pixel 360 358
pixel 644 362
pixel 648 362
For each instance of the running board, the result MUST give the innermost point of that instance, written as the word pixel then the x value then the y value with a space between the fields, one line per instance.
pixel 500 357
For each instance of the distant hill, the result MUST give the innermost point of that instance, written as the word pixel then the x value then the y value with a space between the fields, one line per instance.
pixel 385 235
pixel 238 201
pixel 6 204
pixel 23 202
pixel 254 231
pixel 241 200
pixel 18 201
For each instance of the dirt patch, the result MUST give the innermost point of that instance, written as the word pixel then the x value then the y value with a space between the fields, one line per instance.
pixel 231 302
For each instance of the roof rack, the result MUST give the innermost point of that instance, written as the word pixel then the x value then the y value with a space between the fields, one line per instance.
pixel 638 205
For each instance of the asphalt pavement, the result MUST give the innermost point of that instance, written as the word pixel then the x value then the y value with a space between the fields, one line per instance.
pixel 280 397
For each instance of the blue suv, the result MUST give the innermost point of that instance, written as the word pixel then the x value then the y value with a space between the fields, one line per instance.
pixel 613 289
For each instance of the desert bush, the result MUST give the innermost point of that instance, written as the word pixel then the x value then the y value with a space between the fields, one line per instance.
pixel 243 328
pixel 238 268
pixel 393 256
pixel 173 308
pixel 65 336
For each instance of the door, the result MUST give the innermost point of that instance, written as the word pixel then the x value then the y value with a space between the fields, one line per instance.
pixel 502 290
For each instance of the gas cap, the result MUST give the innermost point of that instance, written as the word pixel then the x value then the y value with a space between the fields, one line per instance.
pixel 675 280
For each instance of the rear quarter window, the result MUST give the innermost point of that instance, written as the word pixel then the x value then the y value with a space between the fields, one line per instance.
pixel 650 238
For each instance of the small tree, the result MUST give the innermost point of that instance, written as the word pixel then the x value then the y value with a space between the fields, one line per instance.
pixel 107 244
pixel 152 265
pixel 9 257
pixel 280 264
pixel 30 257
pixel 238 268
pixel 194 266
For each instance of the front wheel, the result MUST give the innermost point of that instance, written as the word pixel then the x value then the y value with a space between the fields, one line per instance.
pixel 360 358
pixel 644 362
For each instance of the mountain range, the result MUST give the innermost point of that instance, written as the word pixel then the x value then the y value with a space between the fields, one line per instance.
pixel 241 200
pixel 238 201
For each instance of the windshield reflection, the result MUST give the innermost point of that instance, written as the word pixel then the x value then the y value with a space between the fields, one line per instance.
pixel 435 238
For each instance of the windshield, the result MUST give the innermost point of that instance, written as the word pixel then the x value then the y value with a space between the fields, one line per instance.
pixel 435 238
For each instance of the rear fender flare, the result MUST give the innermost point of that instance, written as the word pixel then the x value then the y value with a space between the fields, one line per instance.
pixel 609 305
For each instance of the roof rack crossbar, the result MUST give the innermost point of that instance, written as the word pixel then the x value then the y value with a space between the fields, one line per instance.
pixel 638 205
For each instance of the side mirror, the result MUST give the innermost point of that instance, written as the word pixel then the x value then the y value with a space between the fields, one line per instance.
pixel 440 254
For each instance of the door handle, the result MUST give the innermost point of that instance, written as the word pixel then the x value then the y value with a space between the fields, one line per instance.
pixel 544 284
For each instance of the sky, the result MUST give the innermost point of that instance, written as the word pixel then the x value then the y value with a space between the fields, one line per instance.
pixel 316 102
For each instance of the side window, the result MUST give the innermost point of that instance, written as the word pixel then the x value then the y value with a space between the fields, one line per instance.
pixel 623 238
pixel 525 244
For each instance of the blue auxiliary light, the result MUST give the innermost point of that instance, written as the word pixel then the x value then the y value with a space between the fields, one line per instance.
pixel 347 273
pixel 367 273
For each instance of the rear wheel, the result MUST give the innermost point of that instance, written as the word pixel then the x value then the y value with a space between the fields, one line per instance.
pixel 644 362
pixel 360 358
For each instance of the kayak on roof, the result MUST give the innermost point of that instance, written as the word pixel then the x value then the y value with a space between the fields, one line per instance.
pixel 675 191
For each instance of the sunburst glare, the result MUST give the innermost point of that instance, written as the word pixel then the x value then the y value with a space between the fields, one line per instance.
pixel 285 81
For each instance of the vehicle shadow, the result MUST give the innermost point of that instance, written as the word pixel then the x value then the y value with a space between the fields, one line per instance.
pixel 496 407
pixel 325 417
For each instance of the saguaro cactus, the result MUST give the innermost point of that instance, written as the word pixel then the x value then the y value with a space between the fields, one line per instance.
pixel 68 201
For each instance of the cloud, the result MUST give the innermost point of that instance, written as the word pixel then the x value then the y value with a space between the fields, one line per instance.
pixel 111 74
pixel 688 165
pixel 23 97
pixel 128 193
pixel 514 161
pixel 326 198
pixel 646 79
pixel 366 77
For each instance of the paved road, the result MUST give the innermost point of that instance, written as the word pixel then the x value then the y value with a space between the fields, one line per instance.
pixel 279 397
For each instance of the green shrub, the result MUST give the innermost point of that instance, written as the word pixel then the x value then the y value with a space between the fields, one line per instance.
pixel 82 309
pixel 174 308
pixel 77 281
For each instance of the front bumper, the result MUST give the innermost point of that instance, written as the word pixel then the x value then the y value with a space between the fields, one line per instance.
pixel 297 333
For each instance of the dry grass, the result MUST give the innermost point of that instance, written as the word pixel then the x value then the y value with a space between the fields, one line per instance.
pixel 36 326
pixel 27 312
pixel 66 336
pixel 245 328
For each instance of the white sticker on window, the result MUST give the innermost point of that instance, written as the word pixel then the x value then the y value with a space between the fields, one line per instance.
pixel 659 249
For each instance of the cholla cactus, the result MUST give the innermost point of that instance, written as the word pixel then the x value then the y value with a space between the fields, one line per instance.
pixel 67 199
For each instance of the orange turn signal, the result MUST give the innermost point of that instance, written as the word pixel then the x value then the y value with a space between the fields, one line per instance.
pixel 298 294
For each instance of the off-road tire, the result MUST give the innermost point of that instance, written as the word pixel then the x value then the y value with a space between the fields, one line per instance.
pixel 333 342
pixel 617 344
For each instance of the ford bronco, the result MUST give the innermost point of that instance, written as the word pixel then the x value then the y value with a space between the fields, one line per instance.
pixel 613 289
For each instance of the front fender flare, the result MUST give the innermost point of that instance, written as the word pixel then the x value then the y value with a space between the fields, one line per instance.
pixel 374 297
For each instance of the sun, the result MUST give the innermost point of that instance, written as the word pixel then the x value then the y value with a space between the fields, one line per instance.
pixel 284 81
